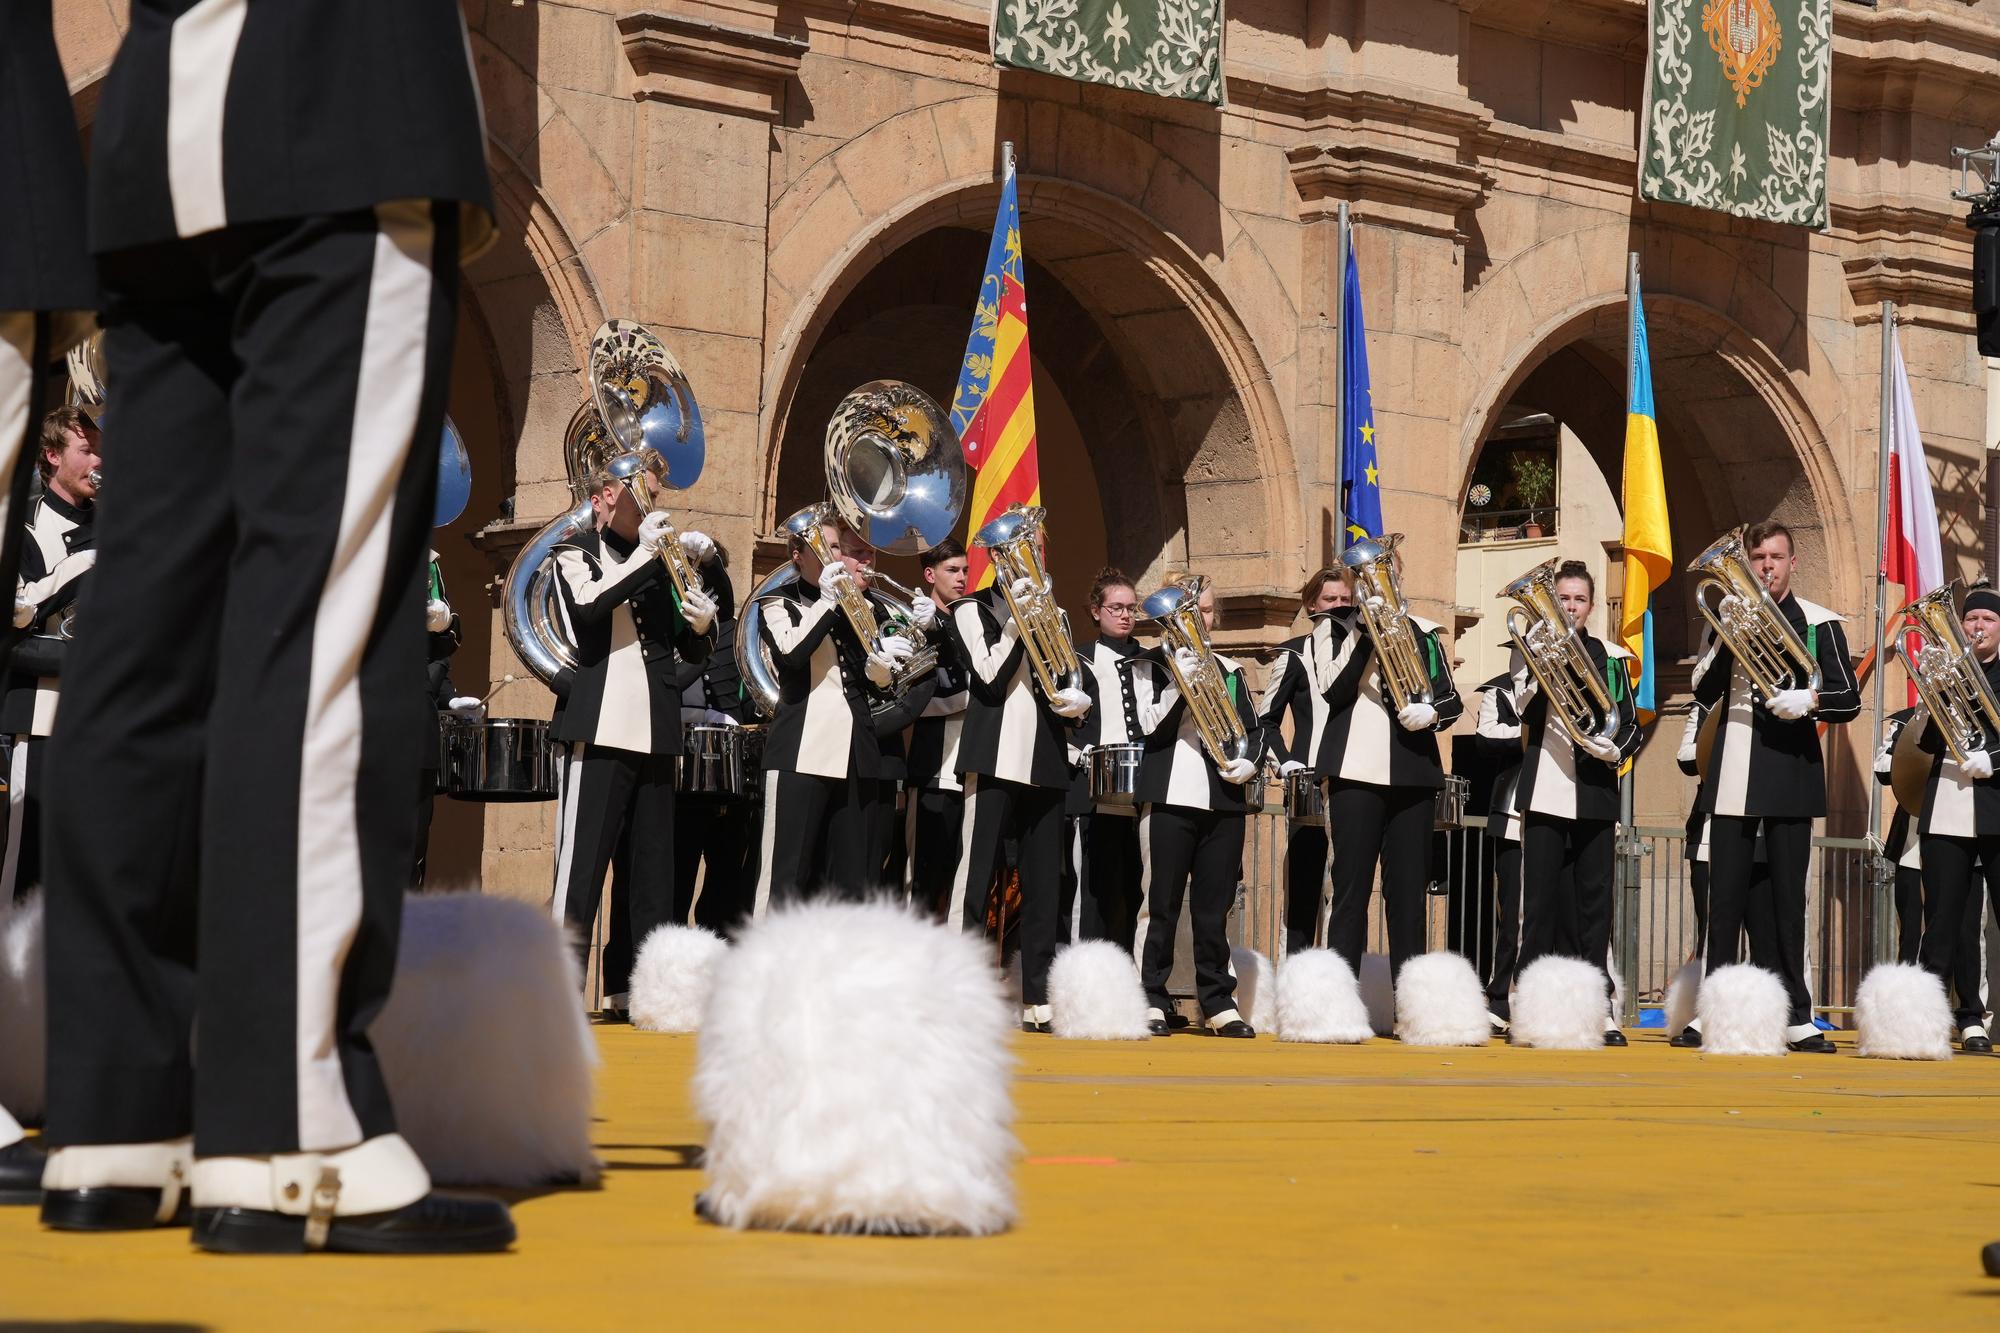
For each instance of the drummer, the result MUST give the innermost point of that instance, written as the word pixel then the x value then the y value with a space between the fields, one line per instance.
pixel 1296 690
pixel 716 837
pixel 442 623
pixel 1104 841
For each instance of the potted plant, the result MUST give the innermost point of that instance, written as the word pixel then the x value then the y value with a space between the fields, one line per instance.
pixel 1535 484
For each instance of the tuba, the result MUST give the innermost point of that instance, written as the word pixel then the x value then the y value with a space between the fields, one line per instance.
pixel 1009 541
pixel 1763 642
pixel 643 427
pixel 1386 617
pixel 1952 685
pixel 1555 654
pixel 1176 609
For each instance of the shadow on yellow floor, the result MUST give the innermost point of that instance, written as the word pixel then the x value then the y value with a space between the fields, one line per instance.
pixel 1197 1183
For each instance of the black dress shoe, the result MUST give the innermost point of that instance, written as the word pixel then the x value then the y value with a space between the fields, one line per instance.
pixel 1990 1256
pixel 109 1208
pixel 1159 1027
pixel 21 1164
pixel 1816 1044
pixel 1027 1025
pixel 1235 1027
pixel 1977 1046
pixel 1613 1037
pixel 434 1224
pixel 1178 1021
pixel 1690 1037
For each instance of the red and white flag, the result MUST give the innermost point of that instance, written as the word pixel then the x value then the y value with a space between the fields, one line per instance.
pixel 1911 552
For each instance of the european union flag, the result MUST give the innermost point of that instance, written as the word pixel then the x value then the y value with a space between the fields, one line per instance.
pixel 1360 477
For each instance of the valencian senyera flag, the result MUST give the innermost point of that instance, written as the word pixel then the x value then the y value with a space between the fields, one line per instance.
pixel 993 408
pixel 1735 116
pixel 1170 48
pixel 1649 547
pixel 1360 476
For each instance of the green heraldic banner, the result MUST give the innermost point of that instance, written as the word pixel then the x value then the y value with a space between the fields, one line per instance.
pixel 1736 107
pixel 1171 48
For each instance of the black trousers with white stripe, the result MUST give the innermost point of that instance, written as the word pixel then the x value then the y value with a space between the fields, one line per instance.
pixel 1955 916
pixel 1507 927
pixel 615 806
pixel 1769 907
pixel 819 837
pixel 713 871
pixel 1392 825
pixel 934 820
pixel 1032 817
pixel 21 871
pixel 1566 873
pixel 253 724
pixel 1197 855
pixel 1305 884
pixel 1109 874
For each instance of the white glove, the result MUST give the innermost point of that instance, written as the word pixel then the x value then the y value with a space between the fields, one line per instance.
pixel 1289 767
pixel 697 546
pixel 1024 588
pixel 698 609
pixel 1791 705
pixel 833 580
pixel 1238 771
pixel 1071 704
pixel 881 670
pixel 466 705
pixel 437 615
pixel 923 611
pixel 1978 765
pixel 653 530
pixel 1599 748
pixel 1417 717
pixel 897 648
pixel 1377 604
pixel 24 612
pixel 1189 662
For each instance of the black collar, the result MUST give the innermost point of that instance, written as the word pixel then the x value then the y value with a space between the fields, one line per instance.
pixel 1125 647
pixel 74 513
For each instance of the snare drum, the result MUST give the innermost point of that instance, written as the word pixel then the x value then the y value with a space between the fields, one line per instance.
pixel 713 762
pixel 498 759
pixel 1451 799
pixel 1305 799
pixel 1114 773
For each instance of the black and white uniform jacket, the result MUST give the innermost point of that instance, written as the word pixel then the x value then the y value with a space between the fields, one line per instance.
pixel 228 112
pixel 1558 778
pixel 1499 729
pixel 1762 765
pixel 43 263
pixel 620 609
pixel 1108 667
pixel 935 736
pixel 825 722
pixel 1362 741
pixel 55 557
pixel 1295 689
pixel 1175 769
pixel 1901 845
pixel 1687 757
pixel 1010 732
pixel 1955 806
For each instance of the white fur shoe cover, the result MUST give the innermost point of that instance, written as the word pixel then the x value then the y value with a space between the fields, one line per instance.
pixel 484 1044
pixel 1439 1002
pixel 1319 1000
pixel 1681 995
pixel 23 1009
pixel 1256 987
pixel 672 976
pixel 854 1074
pixel 1095 992
pixel 1378 992
pixel 1743 1011
pixel 1902 1014
pixel 1560 1005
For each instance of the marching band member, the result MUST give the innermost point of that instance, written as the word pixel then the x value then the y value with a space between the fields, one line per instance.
pixel 714 836
pixel 1296 691
pixel 1567 794
pixel 1105 846
pixel 1694 840
pixel 820 832
pixel 56 558
pixel 1769 780
pixel 1959 830
pixel 1499 728
pixel 1014 759
pixel 1191 822
pixel 621 723
pixel 935 807
pixel 1383 773
pixel 441 624
pixel 45 281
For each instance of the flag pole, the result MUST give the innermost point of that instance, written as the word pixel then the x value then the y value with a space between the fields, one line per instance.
pixel 1885 406
pixel 1630 848
pixel 1339 385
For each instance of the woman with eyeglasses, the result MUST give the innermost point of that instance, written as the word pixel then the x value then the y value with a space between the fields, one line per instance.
pixel 1104 839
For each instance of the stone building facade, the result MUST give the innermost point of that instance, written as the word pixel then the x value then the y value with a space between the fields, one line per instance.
pixel 797 194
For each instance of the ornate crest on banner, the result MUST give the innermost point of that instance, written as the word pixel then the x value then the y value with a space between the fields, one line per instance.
pixel 1746 35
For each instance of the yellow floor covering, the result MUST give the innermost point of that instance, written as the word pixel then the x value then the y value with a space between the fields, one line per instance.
pixel 1197 1183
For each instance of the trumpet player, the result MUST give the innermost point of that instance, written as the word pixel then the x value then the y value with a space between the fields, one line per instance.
pixel 1567 794
pixel 58 548
pixel 1191 820
pixel 1769 780
pixel 821 754
pixel 1106 842
pixel 621 722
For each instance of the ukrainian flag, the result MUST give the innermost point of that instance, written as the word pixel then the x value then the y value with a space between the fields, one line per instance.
pixel 1361 478
pixel 1649 548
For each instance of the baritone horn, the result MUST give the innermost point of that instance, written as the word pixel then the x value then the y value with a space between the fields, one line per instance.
pixel 1554 651
pixel 1176 609
pixel 1010 542
pixel 1952 684
pixel 1760 638
pixel 1386 617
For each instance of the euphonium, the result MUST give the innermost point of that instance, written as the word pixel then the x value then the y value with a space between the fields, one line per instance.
pixel 1009 542
pixel 1948 675
pixel 1176 609
pixel 1556 655
pixel 1386 617
pixel 1763 642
